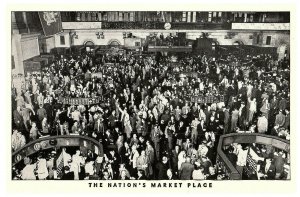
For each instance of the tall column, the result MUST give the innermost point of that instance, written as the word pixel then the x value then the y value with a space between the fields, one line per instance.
pixel 82 17
pixel 189 17
pixel 14 27
pixel 16 52
pixel 100 16
pixel 25 21
pixel 183 16
pixel 171 17
pixel 89 17
pixel 264 17
pixel 245 17
pixel 78 17
pixel 194 16
pixel 209 16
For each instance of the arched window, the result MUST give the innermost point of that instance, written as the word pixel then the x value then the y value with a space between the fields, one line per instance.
pixel 114 43
pixel 238 43
pixel 89 43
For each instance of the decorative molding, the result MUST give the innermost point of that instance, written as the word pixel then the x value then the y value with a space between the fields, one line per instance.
pixel 261 26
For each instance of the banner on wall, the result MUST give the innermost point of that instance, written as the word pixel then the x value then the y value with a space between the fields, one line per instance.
pixel 51 22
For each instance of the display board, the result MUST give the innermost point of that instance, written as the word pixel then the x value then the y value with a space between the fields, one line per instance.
pixel 81 101
pixel 207 99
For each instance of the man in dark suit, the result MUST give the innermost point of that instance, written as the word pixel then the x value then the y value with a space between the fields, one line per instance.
pixel 231 156
pixel 67 175
pixel 268 169
pixel 113 159
pixel 279 161
pixel 274 130
pixel 242 116
pixel 186 144
pixel 221 116
pixel 186 170
pixel 141 175
pixel 161 169
pixel 18 118
pixel 108 139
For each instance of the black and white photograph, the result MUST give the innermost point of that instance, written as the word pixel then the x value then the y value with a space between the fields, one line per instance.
pixel 150 95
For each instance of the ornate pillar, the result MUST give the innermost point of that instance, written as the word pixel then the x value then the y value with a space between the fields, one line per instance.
pixel 14 27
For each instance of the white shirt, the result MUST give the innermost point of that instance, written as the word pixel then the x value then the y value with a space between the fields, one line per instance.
pixel 252 106
pixel 28 172
pixel 89 168
pixel 241 157
pixel 267 167
pixel 198 175
pixel 76 115
pixel 42 169
pixel 67 158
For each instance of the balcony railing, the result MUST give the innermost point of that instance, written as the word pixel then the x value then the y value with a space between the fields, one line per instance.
pixel 160 25
pixel 56 141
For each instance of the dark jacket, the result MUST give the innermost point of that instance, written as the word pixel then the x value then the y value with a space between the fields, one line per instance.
pixel 186 171
pixel 68 176
pixel 162 171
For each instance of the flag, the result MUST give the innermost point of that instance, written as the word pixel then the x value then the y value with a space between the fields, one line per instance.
pixel 51 22
pixel 60 165
pixel 251 166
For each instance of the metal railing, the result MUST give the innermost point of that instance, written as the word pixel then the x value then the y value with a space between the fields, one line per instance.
pixel 48 142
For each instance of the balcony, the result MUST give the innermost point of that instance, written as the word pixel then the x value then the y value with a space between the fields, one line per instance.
pixel 261 26
pixel 146 25
pixel 160 25
pixel 246 138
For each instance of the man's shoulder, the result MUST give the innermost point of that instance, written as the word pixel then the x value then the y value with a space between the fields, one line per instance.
pixel 190 165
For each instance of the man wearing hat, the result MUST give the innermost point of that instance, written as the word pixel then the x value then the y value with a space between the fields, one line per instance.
pixel 155 137
pixel 68 175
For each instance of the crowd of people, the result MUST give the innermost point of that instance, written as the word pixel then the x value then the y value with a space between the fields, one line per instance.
pixel 169 40
pixel 148 124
